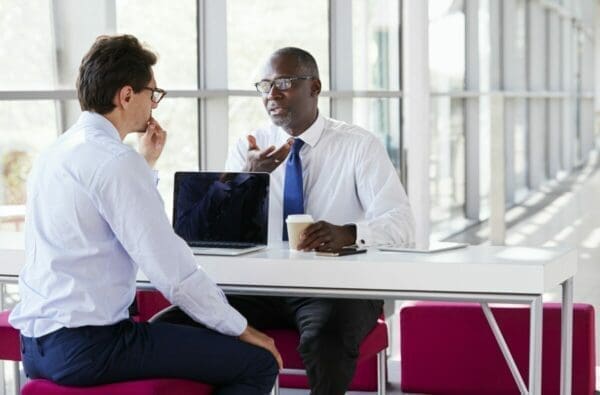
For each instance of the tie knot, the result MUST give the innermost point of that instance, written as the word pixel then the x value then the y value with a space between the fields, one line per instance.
pixel 298 143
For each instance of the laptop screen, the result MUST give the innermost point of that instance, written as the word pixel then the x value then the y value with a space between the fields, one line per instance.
pixel 221 207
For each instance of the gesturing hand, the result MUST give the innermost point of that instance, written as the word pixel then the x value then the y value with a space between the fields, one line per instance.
pixel 323 236
pixel 152 142
pixel 265 160
pixel 257 338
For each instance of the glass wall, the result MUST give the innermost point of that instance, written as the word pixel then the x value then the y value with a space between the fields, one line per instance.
pixel 447 55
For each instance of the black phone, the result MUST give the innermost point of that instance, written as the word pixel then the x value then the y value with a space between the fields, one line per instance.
pixel 344 251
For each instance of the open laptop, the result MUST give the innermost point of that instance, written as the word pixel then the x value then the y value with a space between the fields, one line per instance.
pixel 221 213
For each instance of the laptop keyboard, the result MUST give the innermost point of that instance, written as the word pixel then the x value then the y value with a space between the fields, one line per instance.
pixel 220 244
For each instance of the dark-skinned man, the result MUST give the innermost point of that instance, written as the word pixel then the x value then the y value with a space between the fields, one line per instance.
pixel 349 186
pixel 342 177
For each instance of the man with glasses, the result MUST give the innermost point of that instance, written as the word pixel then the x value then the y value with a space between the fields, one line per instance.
pixel 342 176
pixel 94 216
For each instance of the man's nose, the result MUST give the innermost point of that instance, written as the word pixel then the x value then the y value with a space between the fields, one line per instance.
pixel 274 93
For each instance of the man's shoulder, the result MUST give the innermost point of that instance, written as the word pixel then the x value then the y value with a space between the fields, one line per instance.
pixel 347 132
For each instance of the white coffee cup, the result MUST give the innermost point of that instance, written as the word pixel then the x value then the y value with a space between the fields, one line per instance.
pixel 296 223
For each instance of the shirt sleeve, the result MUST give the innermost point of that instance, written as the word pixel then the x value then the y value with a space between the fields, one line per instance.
pixel 129 201
pixel 236 158
pixel 388 216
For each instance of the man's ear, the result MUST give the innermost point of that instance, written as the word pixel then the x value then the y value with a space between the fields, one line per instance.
pixel 315 88
pixel 124 96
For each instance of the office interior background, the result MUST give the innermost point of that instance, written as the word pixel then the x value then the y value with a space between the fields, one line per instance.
pixel 484 106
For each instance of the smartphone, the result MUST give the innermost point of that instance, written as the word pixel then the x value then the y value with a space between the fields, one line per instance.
pixel 343 251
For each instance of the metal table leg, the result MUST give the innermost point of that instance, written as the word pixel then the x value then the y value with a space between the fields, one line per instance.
pixel 535 346
pixel 566 340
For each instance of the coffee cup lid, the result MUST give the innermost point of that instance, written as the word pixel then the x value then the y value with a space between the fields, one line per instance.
pixel 299 218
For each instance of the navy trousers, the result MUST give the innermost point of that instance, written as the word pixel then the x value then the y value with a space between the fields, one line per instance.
pixel 331 331
pixel 94 355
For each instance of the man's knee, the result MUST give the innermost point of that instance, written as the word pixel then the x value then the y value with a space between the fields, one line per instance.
pixel 266 370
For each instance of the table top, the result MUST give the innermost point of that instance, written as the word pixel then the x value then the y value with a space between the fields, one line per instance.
pixel 474 269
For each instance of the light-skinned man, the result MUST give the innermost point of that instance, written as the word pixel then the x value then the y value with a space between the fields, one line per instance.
pixel 94 216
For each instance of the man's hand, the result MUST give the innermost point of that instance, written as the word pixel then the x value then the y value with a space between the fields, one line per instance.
pixel 257 338
pixel 323 236
pixel 152 142
pixel 265 160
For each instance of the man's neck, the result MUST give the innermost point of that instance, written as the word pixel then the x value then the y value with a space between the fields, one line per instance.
pixel 297 131
pixel 117 121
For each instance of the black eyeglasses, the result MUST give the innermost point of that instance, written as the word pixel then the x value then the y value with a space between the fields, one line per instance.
pixel 281 83
pixel 157 94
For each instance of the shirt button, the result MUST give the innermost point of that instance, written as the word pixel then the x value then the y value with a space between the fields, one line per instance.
pixel 362 241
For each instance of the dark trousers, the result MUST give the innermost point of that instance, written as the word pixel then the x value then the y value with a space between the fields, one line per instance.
pixel 331 331
pixel 94 355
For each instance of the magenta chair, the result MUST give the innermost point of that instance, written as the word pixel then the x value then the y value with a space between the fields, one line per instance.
pixel 10 350
pixel 370 372
pixel 449 348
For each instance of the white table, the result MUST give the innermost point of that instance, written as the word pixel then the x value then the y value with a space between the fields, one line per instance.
pixel 483 274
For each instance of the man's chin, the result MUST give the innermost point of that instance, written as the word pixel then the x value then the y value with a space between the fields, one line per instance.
pixel 281 120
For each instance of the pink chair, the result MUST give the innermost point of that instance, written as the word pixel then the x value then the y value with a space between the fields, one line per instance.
pixel 370 372
pixel 449 348
pixel 137 387
pixel 10 350
pixel 10 344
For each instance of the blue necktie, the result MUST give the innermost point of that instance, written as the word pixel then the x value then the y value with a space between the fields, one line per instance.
pixel 293 193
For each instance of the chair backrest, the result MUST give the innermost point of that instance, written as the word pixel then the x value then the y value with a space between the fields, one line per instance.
pixel 449 348
pixel 149 303
pixel 10 342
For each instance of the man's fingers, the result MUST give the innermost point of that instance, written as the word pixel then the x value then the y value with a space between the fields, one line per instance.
pixel 316 239
pixel 264 154
pixel 277 356
pixel 251 142
pixel 281 153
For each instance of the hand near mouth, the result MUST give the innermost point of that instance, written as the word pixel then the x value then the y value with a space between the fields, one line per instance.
pixel 265 160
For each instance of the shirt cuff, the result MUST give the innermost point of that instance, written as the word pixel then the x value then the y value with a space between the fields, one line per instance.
pixel 364 237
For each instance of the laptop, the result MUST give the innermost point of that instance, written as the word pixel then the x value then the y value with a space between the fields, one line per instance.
pixel 437 246
pixel 221 213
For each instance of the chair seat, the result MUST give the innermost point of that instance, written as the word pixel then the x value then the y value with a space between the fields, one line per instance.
pixel 10 343
pixel 449 348
pixel 365 377
pixel 137 387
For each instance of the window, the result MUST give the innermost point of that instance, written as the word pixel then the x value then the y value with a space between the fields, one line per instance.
pixel 447 73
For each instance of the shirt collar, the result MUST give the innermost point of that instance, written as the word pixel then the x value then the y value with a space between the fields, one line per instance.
pixel 97 121
pixel 312 135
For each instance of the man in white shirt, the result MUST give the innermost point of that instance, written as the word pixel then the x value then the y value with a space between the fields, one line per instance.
pixel 94 216
pixel 342 176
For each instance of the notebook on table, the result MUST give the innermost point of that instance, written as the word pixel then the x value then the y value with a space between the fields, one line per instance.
pixel 437 246
pixel 221 213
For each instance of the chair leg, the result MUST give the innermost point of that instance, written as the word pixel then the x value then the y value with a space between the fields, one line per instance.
pixel 381 373
pixel 276 387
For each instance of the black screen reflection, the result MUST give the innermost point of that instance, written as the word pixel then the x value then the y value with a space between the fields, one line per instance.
pixel 224 207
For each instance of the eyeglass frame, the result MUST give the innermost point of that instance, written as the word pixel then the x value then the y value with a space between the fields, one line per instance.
pixel 162 93
pixel 272 82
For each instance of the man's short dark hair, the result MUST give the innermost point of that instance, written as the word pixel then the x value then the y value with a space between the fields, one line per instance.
pixel 306 62
pixel 112 63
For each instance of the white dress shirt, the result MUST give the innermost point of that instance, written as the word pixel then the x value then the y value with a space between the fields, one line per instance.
pixel 94 216
pixel 348 178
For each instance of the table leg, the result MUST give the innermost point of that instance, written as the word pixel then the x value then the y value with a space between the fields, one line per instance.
pixel 566 340
pixel 535 346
